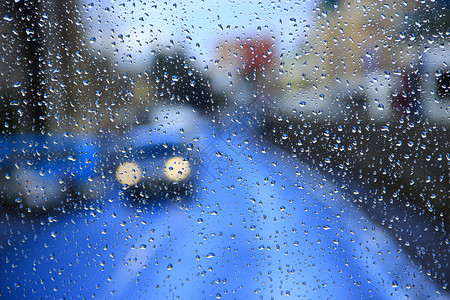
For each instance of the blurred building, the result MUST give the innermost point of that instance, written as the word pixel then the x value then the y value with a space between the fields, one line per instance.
pixel 359 61
pixel 246 69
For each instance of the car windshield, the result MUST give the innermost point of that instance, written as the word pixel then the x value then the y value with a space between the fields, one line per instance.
pixel 208 149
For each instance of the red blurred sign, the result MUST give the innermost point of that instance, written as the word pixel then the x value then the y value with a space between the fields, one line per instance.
pixel 258 56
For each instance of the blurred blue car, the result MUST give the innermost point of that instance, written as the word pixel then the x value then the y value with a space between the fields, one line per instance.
pixel 257 224
pixel 155 164
pixel 39 173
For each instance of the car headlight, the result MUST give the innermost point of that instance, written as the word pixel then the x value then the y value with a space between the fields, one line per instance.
pixel 177 169
pixel 129 173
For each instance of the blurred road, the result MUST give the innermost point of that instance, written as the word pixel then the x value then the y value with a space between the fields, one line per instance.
pixel 259 224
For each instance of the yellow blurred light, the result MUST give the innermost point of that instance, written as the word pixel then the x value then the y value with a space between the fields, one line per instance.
pixel 177 169
pixel 129 173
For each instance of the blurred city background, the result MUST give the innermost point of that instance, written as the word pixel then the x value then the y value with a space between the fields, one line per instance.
pixel 358 89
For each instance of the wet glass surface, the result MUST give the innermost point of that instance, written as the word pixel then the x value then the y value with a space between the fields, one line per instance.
pixel 224 149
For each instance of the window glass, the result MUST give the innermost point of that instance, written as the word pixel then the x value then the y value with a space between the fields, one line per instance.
pixel 200 149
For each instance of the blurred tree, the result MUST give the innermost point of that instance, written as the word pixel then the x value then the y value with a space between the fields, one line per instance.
pixel 178 80
pixel 50 78
pixel 9 120
pixel 27 19
pixel 80 78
